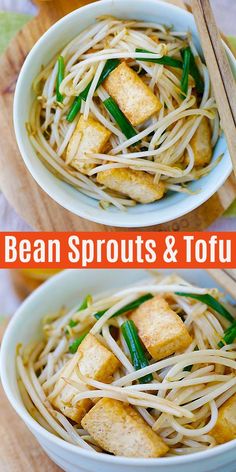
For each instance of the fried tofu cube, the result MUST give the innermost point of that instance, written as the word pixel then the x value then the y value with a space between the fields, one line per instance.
pixel 201 143
pixel 97 361
pixel 89 136
pixel 138 185
pixel 119 429
pixel 225 428
pixel 161 330
pixel 135 99
pixel 63 400
pixel 94 361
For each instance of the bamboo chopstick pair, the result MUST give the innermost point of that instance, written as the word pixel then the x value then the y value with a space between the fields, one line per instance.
pixel 224 87
pixel 222 79
pixel 226 279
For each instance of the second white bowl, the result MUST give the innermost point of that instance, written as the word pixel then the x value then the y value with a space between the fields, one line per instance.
pixel 65 289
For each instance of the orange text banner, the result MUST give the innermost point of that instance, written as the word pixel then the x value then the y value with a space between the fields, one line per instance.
pixel 117 250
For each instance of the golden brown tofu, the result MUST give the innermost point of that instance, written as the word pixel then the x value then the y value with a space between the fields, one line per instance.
pixel 89 136
pixel 201 143
pixel 138 185
pixel 94 361
pixel 225 428
pixel 118 428
pixel 161 330
pixel 134 97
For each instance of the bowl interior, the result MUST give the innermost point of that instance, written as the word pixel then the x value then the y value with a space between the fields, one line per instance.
pixel 173 205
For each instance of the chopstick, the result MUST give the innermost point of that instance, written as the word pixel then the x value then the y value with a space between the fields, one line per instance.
pixel 221 75
pixel 226 279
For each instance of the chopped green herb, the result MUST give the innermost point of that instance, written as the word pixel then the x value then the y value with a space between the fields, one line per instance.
pixel 165 60
pixel 136 350
pixel 74 346
pixel 74 109
pixel 188 368
pixel 211 302
pixel 73 323
pixel 194 72
pixel 128 307
pixel 229 335
pixel 110 65
pixel 85 303
pixel 60 77
pixel 125 126
pixel 185 74
pixel 83 306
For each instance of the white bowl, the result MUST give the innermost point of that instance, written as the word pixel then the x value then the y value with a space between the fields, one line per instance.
pixel 25 327
pixel 173 205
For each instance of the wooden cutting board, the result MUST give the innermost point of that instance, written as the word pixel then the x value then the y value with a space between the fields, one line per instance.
pixel 20 189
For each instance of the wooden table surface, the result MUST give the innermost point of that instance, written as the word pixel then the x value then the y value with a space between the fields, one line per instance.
pixel 19 451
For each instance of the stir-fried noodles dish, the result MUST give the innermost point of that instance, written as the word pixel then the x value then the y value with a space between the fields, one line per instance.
pixel 147 371
pixel 125 113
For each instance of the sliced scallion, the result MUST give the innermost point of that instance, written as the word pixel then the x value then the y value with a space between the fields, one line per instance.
pixel 211 302
pixel 165 60
pixel 74 109
pixel 129 307
pixel 72 323
pixel 110 65
pixel 125 126
pixel 60 77
pixel 74 346
pixel 138 356
pixel 83 306
pixel 229 335
pixel 194 72
pixel 85 303
pixel 185 74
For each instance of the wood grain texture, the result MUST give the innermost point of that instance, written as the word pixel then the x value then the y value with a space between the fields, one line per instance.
pixel 19 451
pixel 24 194
pixel 221 75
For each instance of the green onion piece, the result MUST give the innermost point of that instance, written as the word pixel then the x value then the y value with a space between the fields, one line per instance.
pixel 110 65
pixel 188 368
pixel 232 326
pixel 194 72
pixel 60 77
pixel 72 323
pixel 74 346
pixel 74 109
pixel 136 350
pixel 165 60
pixel 128 307
pixel 99 314
pixel 85 303
pixel 229 335
pixel 125 126
pixel 211 302
pixel 83 306
pixel 185 74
